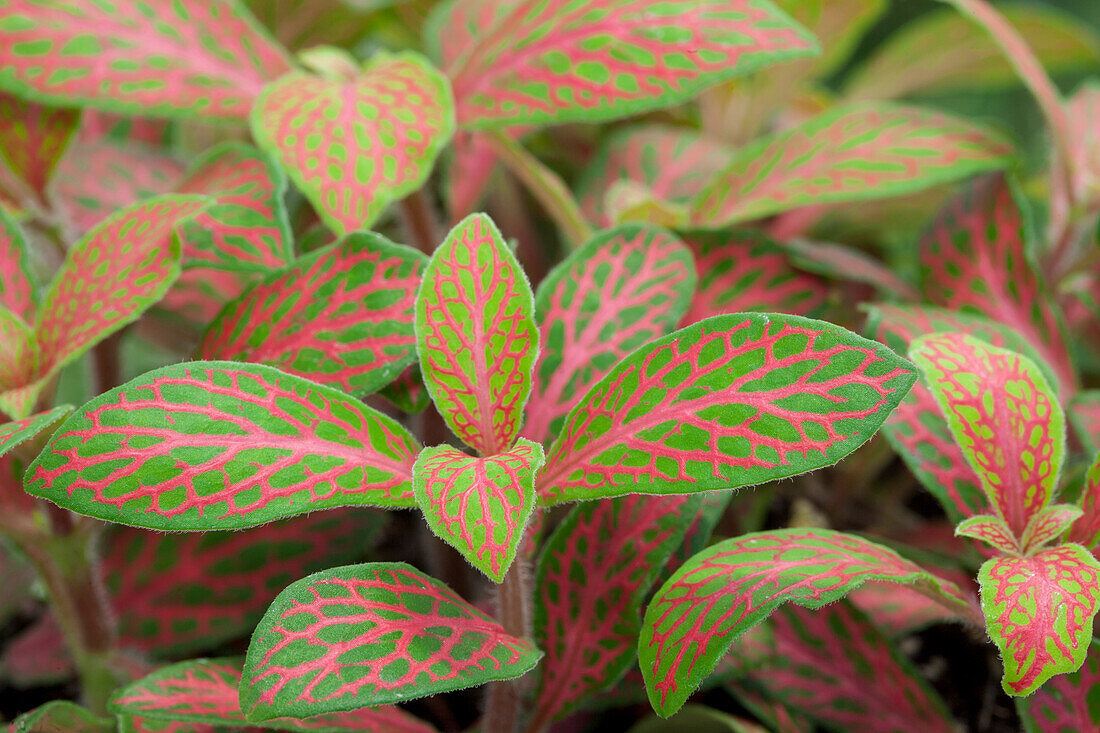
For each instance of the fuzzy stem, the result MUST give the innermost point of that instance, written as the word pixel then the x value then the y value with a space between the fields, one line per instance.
pixel 502 715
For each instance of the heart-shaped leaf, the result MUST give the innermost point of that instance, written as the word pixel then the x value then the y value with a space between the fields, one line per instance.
pixel 591 580
pixel 626 286
pixel 1039 612
pixel 32 140
pixel 365 635
pixel 1003 415
pixel 476 335
pixel 222 445
pixel 202 58
pixel 342 316
pixel 205 691
pixel 479 506
pixel 1066 703
pixel 849 153
pixel 521 61
pixel 18 285
pixel 353 145
pixel 730 587
pixel 1086 530
pixel 991 530
pixel 731 401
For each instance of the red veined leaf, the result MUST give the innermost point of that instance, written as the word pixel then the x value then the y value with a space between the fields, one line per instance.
pixel 372 634
pixel 745 271
pixel 19 431
pixel 18 285
pixel 841 262
pixel 98 125
pixel 353 145
pixel 32 140
pixel 1003 415
pixel 246 227
pixel 479 506
pixel 205 691
pixel 991 530
pixel 183 593
pixel 205 58
pixel 96 178
pixel 18 364
pixel 342 315
pixel 38 655
pixel 899 610
pixel 1038 611
pixel 1086 530
pixel 62 715
pixel 849 153
pixel 1048 525
pixel 1084 415
pixel 917 429
pixel 821 663
pixel 671 163
pixel 476 335
pixel 730 587
pixel 626 286
pixel 407 392
pixel 519 61
pixel 222 445
pixel 731 401
pixel 1066 703
pixel 941 51
pixel 975 258
pixel 591 580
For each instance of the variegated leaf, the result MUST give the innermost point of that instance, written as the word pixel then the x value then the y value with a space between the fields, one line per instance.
pixel 61 715
pixel 1048 525
pixel 14 433
pixel 731 401
pixel 32 140
pixel 991 530
pixel 1086 530
pixel 222 445
pixel 1066 703
pixel 18 285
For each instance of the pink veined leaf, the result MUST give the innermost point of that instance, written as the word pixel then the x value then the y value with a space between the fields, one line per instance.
pixel 473 161
pixel 199 295
pixel 626 286
pixel 1039 612
pixel 1048 525
pixel 849 153
pixel 821 663
pixel 1084 415
pixel 341 316
pixel 354 145
pixel 975 258
pixel 730 587
pixel 732 401
pixel 365 635
pixel 32 140
pixel 521 61
pixel 899 610
pixel 183 593
pixel 991 530
pixel 205 58
pixel 18 286
pixel 222 445
pixel 672 163
pixel 476 335
pixel 205 691
pixel 479 506
pixel 18 362
pixel 1066 703
pixel 38 655
pixel 1003 415
pixel 61 715
pixel 590 584
pixel 98 125
pixel 14 433
pixel 407 392
pixel 1086 530
pixel 841 262
pixel 744 271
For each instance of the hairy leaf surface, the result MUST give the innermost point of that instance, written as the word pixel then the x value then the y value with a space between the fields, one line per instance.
pixel 991 530
pixel 1066 703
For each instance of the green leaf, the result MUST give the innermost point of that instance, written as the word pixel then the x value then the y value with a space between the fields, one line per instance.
pixel 20 431
pixel 61 715
pixel 476 335
pixel 222 445
pixel 1066 703
pixel 374 634
pixel 731 401
pixel 479 506
pixel 18 286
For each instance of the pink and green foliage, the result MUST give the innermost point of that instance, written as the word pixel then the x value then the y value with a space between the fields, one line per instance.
pixel 222 445
pixel 1039 612
pixel 33 139
pixel 1084 414
pixel 1066 703
pixel 745 271
pixel 183 593
pixel 537 62
pixel 479 506
pixel 1048 525
pixel 1003 415
pixel 821 663
pixel 591 581
pixel 354 144
pixel 725 590
pixel 838 262
pixel 975 258
pixel 672 164
pixel 476 335
pixel 19 431
pixel 18 285
pixel 1086 530
pixel 365 635
pixel 731 401
pixel 407 392
pixel 901 611
pixel 205 691
pixel 341 316
pixel 205 58
pixel 849 153
pixel 628 285
pixel 991 530
pixel 61 715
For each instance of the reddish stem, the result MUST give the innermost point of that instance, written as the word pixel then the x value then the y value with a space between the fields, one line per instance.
pixel 502 714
